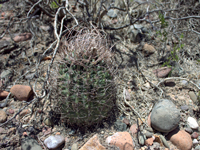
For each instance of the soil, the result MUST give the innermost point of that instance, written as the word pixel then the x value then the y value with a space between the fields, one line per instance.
pixel 135 76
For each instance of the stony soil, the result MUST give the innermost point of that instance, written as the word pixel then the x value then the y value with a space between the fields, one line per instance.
pixel 135 75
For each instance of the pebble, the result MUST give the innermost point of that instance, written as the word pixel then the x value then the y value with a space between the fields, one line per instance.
pixel 147 134
pixel 170 83
pixel 29 143
pixel 181 139
pixel 120 126
pixel 149 141
pixel 11 111
pixel 148 49
pixel 188 130
pixel 184 107
pixel 3 94
pixel 141 138
pixel 122 140
pixel 93 144
pixel 184 82
pixel 134 129
pixel 48 122
pixel 112 13
pixel 195 141
pixel 21 92
pixel 197 147
pixel 3 116
pixel 53 142
pixel 193 96
pixel 74 146
pixel 22 37
pixel 162 72
pixel 165 117
pixel 192 123
pixel 194 135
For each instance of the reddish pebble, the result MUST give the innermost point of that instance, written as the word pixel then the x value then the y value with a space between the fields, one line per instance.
pixel 11 111
pixel 149 141
pixel 134 129
pixel 194 135
pixel 3 94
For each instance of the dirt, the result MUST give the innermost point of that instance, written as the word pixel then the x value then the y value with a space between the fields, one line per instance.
pixel 135 75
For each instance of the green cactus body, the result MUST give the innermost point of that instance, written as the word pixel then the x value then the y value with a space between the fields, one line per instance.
pixel 86 92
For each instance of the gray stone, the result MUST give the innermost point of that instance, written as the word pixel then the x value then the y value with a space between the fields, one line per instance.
pixel 135 35
pixel 197 147
pixel 147 134
pixel 184 107
pixel 74 146
pixel 120 126
pixel 54 142
pixel 165 117
pixel 30 144
pixel 112 13
pixel 193 96
pixel 188 130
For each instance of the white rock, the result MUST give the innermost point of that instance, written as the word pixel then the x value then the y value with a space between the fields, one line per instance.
pixel 53 142
pixel 192 123
pixel 195 141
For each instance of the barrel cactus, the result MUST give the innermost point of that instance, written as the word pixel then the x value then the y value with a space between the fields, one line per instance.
pixel 86 79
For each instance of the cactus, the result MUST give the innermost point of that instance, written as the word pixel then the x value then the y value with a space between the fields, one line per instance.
pixel 86 80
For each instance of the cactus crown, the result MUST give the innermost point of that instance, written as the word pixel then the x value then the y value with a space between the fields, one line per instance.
pixel 86 79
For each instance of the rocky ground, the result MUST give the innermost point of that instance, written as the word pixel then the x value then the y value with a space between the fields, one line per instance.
pixel 158 107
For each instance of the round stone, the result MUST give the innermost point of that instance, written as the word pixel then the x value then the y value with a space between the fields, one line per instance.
pixel 165 117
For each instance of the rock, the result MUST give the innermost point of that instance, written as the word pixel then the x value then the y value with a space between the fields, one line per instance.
pixel 134 35
pixel 147 133
pixel 29 143
pixel 192 123
pixel 184 107
pixel 22 37
pixel 3 94
pixel 188 130
pixel 45 28
pixel 74 146
pixel 184 82
pixel 194 135
pixel 126 121
pixel 148 49
pixel 141 138
pixel 162 72
pixel 181 139
pixel 122 140
pixel 134 129
pixel 93 143
pixel 197 147
pixel 21 92
pixel 11 111
pixel 112 13
pixel 3 116
pixel 195 141
pixel 193 97
pixel 120 126
pixel 149 141
pixel 48 122
pixel 170 83
pixel 165 117
pixel 53 142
